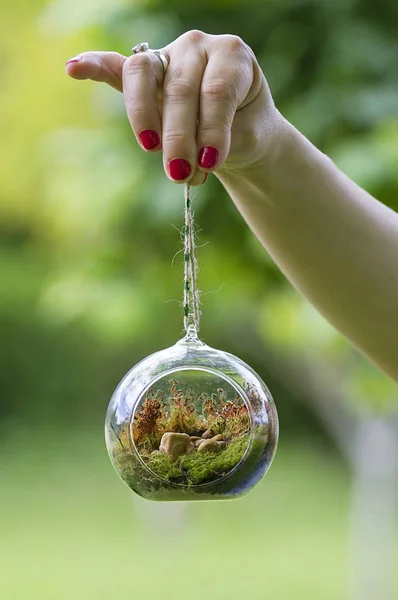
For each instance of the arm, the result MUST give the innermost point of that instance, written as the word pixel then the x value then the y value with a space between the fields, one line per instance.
pixel 334 242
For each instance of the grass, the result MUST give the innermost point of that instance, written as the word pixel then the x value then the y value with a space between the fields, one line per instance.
pixel 72 531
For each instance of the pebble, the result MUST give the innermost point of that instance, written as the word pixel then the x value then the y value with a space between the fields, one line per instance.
pixel 207 434
pixel 191 448
pixel 209 445
pixel 174 444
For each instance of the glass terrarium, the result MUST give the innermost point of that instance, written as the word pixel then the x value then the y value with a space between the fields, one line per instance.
pixel 191 423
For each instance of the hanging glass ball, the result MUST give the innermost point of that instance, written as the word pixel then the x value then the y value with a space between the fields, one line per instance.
pixel 191 423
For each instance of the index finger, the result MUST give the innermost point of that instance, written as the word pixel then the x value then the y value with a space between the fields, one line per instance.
pixel 98 66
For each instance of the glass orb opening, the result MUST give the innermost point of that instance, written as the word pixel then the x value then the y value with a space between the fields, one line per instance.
pixel 191 427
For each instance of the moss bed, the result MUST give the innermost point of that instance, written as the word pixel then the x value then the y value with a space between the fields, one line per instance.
pixel 200 467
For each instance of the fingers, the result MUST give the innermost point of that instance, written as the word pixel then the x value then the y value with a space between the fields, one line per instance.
pixel 142 77
pixel 181 93
pixel 208 80
pixel 98 66
pixel 226 84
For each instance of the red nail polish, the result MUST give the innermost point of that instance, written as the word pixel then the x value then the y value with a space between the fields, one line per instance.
pixel 73 60
pixel 179 169
pixel 149 139
pixel 205 179
pixel 208 157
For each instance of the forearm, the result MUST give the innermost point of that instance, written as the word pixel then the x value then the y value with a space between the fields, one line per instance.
pixel 334 242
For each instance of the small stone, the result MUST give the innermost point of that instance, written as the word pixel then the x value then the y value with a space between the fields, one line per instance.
pixel 207 434
pixel 222 444
pixel 191 448
pixel 209 445
pixel 174 444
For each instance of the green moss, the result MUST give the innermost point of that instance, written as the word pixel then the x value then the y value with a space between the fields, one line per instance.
pixel 166 467
pixel 199 467
pixel 232 454
pixel 206 466
pixel 126 464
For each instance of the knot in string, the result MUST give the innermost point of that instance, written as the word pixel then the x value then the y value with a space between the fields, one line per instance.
pixel 191 294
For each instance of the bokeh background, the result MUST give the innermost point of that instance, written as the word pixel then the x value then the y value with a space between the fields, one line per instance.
pixel 89 227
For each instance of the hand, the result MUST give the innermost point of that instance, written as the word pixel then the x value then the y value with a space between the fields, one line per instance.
pixel 215 113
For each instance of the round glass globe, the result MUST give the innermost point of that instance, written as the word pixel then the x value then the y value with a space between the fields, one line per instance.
pixel 191 423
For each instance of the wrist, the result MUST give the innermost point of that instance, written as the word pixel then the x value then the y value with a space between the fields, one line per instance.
pixel 270 144
pixel 287 162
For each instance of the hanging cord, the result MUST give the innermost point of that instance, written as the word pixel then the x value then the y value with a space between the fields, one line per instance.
pixel 191 294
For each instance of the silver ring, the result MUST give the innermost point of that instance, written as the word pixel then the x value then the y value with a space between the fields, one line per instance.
pixel 144 47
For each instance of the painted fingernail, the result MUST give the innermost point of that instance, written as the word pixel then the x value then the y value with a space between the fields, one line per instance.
pixel 73 60
pixel 206 176
pixel 149 139
pixel 179 169
pixel 208 157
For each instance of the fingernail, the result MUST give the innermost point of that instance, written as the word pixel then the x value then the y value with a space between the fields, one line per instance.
pixel 149 139
pixel 179 169
pixel 73 60
pixel 208 157
pixel 206 176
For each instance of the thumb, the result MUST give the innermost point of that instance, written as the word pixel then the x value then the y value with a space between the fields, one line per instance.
pixel 98 66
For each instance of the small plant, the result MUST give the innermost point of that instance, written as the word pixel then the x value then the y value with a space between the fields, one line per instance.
pixel 147 423
pixel 182 416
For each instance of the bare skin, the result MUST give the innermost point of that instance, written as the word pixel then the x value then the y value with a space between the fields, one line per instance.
pixel 335 243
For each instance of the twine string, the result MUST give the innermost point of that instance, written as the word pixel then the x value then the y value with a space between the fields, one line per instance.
pixel 191 294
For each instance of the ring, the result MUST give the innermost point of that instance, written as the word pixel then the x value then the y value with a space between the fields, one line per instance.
pixel 144 47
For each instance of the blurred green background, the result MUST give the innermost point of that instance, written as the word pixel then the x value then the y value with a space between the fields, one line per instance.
pixel 88 233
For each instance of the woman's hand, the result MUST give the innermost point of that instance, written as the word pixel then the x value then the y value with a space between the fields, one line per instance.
pixel 216 111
